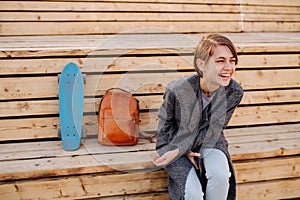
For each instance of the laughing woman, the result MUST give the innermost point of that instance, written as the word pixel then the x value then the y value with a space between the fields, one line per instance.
pixel 195 111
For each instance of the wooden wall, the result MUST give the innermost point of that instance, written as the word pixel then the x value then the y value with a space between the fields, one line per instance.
pixel 58 17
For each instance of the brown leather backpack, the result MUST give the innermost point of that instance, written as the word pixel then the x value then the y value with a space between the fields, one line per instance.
pixel 118 118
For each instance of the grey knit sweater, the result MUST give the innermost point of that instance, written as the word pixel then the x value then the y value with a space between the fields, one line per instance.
pixel 184 125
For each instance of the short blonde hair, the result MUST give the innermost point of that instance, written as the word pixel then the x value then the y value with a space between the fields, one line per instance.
pixel 206 46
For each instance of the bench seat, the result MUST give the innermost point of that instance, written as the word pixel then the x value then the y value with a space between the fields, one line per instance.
pixel 103 171
pixel 263 135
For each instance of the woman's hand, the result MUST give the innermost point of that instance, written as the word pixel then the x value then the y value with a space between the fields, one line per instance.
pixel 191 156
pixel 166 158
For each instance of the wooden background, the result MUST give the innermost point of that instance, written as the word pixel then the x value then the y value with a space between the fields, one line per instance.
pixel 141 46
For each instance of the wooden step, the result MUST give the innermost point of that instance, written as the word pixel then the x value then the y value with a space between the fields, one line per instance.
pixel 113 185
pixel 37 46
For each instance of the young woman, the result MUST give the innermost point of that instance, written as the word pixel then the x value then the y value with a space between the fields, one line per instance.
pixel 195 111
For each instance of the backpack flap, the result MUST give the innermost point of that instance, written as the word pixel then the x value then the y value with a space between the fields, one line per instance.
pixel 118 118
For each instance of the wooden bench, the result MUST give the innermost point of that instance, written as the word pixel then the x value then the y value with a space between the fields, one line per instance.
pixel 40 37
pixel 263 133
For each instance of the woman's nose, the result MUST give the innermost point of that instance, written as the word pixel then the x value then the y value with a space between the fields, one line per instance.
pixel 228 65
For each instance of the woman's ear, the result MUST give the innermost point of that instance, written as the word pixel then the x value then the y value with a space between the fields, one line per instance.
pixel 200 64
pixel 199 67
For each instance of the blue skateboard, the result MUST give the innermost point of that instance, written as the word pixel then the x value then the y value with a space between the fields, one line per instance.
pixel 71 102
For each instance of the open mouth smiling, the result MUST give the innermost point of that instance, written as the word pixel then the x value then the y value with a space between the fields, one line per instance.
pixel 225 75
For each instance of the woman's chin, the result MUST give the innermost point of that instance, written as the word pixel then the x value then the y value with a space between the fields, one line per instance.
pixel 225 82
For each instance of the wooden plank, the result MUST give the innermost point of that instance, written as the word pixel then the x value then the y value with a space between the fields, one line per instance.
pixel 10 150
pixel 52 16
pixel 91 183
pixel 77 28
pixel 262 130
pixel 96 84
pixel 267 169
pixel 100 64
pixel 269 9
pixel 157 1
pixel 148 196
pixel 79 45
pixel 247 2
pixel 49 186
pixel 264 149
pixel 265 115
pixel 272 47
pixel 13 88
pixel 208 6
pixel 267 79
pixel 271 26
pixel 269 17
pixel 51 107
pixel 261 37
pixel 247 171
pixel 50 149
pixel 142 17
pixel 149 102
pixel 124 17
pixel 31 128
pixel 267 137
pixel 56 166
pixel 243 116
pixel 117 6
pixel 116 44
pixel 88 186
pixel 278 189
pixel 96 163
pixel 93 159
pixel 124 64
pixel 270 96
pixel 96 45
pixel 265 61
pixel 271 3
pixel 143 41
pixel 46 127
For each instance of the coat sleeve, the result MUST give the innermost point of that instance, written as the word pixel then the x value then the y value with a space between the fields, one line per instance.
pixel 166 124
pixel 179 134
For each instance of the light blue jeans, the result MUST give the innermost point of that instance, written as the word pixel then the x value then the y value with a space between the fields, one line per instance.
pixel 217 174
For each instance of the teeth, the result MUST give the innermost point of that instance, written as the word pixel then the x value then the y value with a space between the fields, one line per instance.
pixel 224 75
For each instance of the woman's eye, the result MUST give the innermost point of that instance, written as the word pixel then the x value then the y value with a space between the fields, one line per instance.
pixel 232 61
pixel 220 61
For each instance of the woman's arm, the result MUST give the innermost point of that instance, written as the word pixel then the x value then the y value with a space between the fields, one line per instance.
pixel 175 138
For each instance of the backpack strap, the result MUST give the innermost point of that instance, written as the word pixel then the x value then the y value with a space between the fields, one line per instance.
pixel 150 137
pixel 120 89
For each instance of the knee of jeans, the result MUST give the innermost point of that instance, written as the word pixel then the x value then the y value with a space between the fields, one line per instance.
pixel 219 178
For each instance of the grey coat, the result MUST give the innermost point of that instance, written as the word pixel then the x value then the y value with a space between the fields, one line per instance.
pixel 184 125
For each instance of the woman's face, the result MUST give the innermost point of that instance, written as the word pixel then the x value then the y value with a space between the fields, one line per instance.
pixel 218 70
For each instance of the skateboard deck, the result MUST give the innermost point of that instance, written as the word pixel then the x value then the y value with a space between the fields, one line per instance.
pixel 71 102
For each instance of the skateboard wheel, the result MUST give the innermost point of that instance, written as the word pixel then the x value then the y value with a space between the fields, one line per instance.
pixel 84 78
pixel 58 133
pixel 84 132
